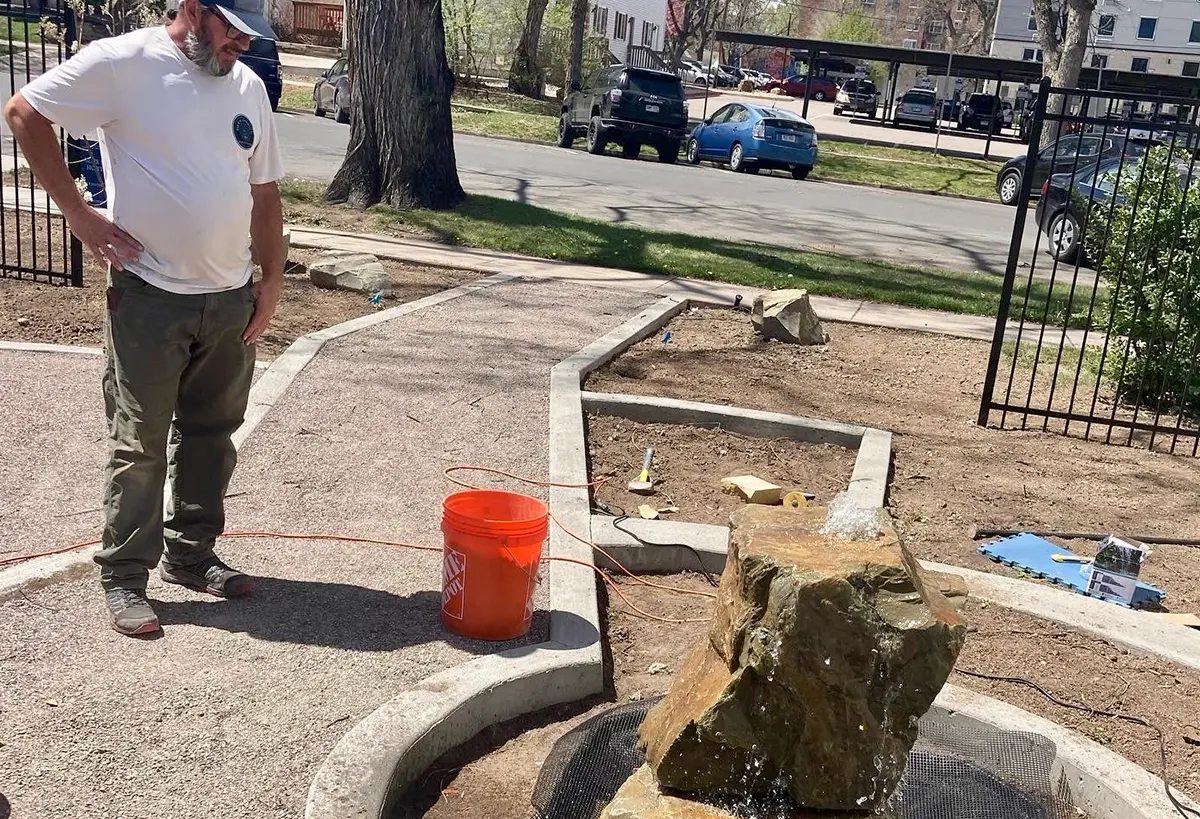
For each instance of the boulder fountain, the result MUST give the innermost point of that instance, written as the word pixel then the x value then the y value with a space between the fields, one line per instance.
pixel 823 654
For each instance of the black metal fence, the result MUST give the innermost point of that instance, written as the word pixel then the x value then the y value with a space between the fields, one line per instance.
pixel 35 243
pixel 1098 333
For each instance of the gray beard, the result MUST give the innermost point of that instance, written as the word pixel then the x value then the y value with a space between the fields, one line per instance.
pixel 203 55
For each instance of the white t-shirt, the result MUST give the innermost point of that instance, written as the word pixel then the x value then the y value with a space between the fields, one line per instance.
pixel 180 148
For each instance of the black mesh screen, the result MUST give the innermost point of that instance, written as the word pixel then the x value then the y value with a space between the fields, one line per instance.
pixel 954 772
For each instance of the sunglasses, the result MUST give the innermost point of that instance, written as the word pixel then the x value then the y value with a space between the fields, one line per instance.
pixel 231 31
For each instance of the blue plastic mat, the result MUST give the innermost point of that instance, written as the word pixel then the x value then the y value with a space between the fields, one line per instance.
pixel 1034 555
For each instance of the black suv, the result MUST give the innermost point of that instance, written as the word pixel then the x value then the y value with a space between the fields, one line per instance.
pixel 629 106
pixel 977 111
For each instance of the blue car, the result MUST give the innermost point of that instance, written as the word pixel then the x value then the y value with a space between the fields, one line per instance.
pixel 751 137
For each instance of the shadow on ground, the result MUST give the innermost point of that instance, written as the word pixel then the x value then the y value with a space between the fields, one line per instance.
pixel 334 615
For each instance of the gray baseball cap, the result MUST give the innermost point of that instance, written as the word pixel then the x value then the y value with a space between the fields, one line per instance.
pixel 244 15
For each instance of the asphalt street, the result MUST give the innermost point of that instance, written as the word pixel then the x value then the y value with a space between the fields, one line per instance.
pixel 705 201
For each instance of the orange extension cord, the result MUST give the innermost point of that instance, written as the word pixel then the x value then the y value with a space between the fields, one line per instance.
pixel 402 545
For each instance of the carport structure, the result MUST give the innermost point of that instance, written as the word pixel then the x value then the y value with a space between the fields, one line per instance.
pixel 967 66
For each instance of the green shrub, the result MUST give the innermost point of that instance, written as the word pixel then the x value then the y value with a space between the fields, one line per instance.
pixel 1145 240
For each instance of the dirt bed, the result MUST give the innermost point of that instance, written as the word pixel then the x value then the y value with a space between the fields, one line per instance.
pixel 55 314
pixel 495 774
pixel 949 474
pixel 689 463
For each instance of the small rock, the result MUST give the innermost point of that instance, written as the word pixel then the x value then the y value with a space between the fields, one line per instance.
pixel 787 315
pixel 23 321
pixel 340 270
pixel 656 668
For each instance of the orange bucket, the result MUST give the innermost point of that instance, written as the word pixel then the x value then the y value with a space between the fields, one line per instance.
pixel 490 554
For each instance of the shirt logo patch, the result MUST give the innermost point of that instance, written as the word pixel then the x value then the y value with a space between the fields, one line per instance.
pixel 243 131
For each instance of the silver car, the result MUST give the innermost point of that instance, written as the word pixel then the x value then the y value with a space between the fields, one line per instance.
pixel 918 106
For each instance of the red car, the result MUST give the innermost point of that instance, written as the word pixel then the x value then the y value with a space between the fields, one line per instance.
pixel 822 88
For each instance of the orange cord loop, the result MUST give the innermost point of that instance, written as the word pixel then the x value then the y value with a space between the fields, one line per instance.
pixel 424 548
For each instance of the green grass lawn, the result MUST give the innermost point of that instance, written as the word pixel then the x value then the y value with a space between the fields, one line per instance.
pixel 18 31
pixel 484 222
pixel 294 96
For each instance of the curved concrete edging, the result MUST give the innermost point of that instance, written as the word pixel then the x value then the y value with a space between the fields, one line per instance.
pixel 1102 783
pixel 374 762
pixel 1136 631
pixel 269 388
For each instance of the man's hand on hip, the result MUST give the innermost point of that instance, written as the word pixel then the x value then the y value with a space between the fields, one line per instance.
pixel 266 299
pixel 109 243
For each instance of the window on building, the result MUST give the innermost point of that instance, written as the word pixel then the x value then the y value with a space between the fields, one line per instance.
pixel 1032 22
pixel 1191 69
pixel 600 20
pixel 961 7
pixel 936 27
pixel 1147 27
pixel 649 34
pixel 1099 61
pixel 1140 65
pixel 867 4
pixel 621 26
pixel 1032 55
pixel 1107 25
pixel 1194 37
pixel 913 24
pixel 893 5
pixel 910 44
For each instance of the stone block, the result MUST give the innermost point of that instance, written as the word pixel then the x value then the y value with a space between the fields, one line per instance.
pixel 343 270
pixel 821 657
pixel 787 315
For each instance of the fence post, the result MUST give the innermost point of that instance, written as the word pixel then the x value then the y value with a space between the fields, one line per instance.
pixel 1014 251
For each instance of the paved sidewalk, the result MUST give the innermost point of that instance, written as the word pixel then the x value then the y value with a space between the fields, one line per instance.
pixel 231 712
pixel 868 313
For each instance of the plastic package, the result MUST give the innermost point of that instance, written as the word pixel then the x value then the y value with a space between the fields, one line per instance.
pixel 846 519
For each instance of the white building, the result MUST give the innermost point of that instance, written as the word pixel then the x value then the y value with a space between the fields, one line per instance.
pixel 1155 36
pixel 630 23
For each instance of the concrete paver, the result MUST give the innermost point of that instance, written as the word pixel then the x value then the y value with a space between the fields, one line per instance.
pixel 233 709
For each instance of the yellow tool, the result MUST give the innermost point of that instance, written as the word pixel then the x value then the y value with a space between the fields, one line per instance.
pixel 643 485
pixel 1070 559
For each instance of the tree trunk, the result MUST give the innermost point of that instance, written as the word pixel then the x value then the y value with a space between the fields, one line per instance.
pixel 401 148
pixel 525 78
pixel 1063 37
pixel 579 12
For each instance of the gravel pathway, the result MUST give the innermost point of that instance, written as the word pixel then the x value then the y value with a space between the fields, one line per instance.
pixel 55 450
pixel 232 711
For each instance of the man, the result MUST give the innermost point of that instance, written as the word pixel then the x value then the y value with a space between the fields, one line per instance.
pixel 191 163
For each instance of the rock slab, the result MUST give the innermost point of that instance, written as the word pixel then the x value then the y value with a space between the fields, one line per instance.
pixel 787 315
pixel 821 657
pixel 343 270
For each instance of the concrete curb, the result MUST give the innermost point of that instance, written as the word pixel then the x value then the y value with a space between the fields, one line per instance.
pixel 376 761
pixel 1102 783
pixel 37 347
pixel 1133 630
pixel 263 395
pixel 868 484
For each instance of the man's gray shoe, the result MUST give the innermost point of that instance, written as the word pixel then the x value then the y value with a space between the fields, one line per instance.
pixel 131 612
pixel 209 575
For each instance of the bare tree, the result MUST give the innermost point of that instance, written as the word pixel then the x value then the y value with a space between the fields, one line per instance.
pixel 525 78
pixel 968 24
pixel 401 149
pixel 1062 31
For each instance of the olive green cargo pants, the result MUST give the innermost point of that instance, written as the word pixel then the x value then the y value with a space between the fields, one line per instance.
pixel 178 359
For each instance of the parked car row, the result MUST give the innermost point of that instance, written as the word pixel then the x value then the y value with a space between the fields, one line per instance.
pixel 634 107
